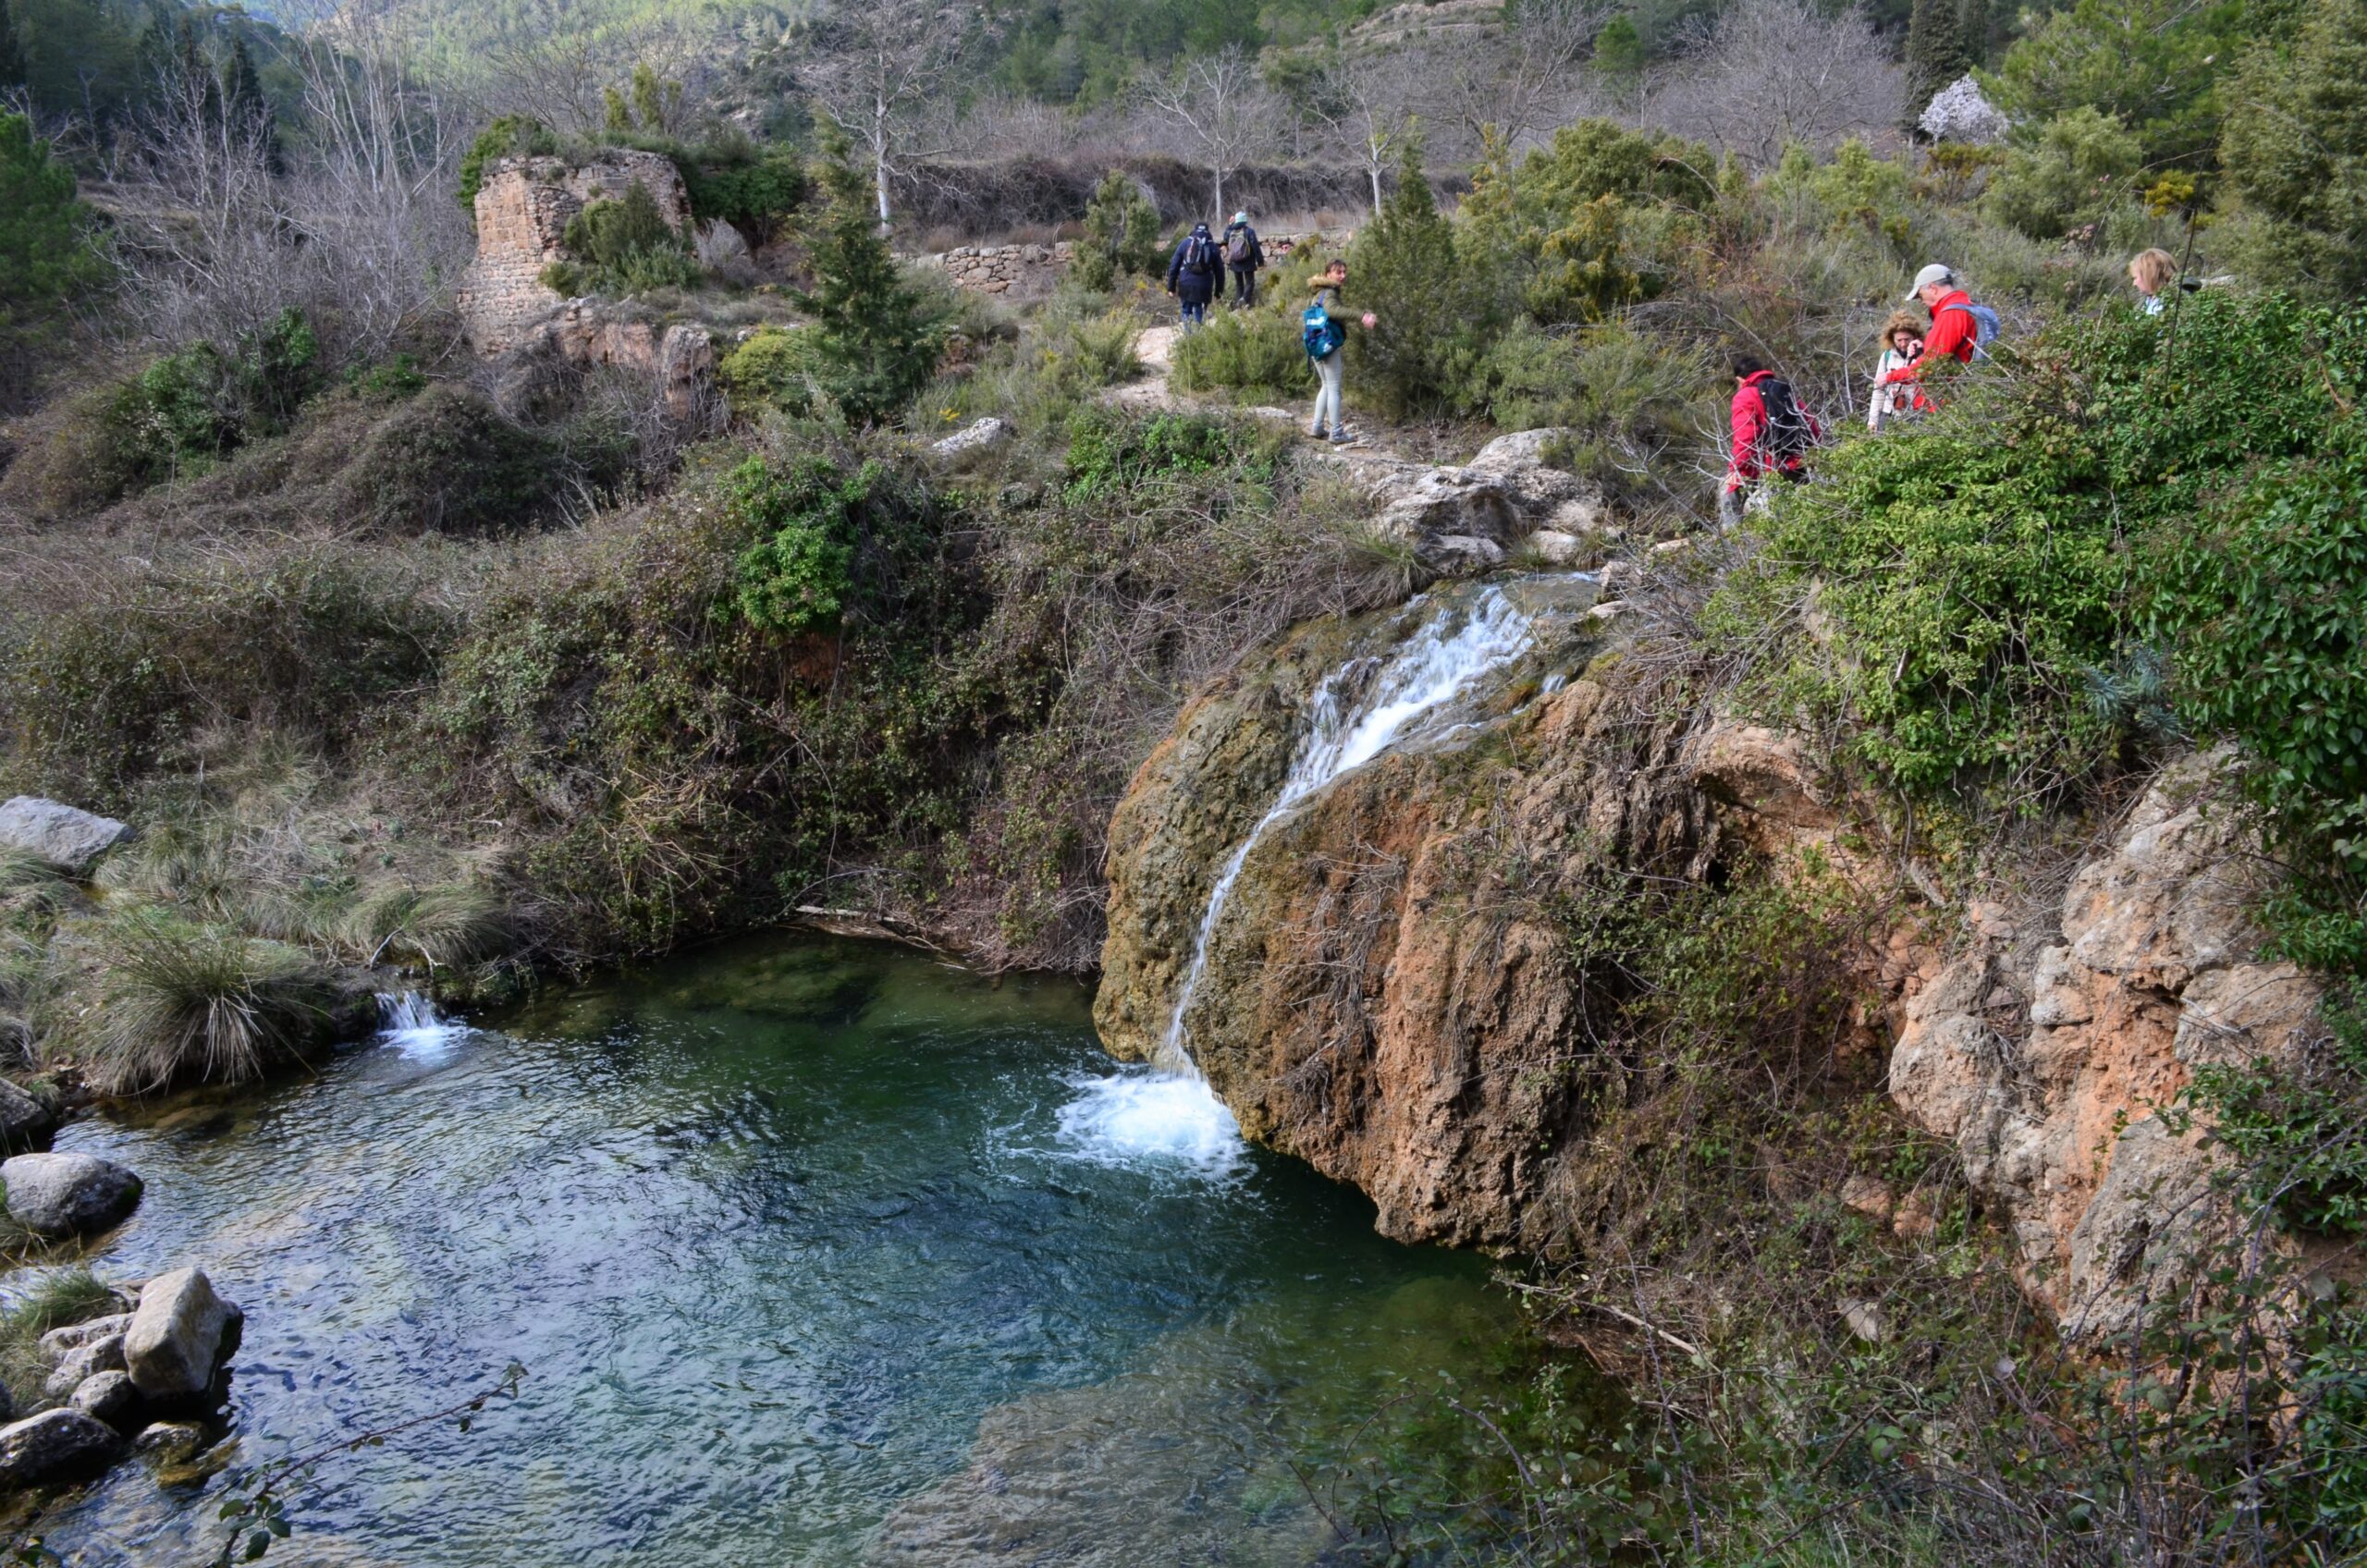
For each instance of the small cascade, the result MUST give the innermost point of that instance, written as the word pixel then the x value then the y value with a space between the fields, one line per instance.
pixel 410 1022
pixel 1411 693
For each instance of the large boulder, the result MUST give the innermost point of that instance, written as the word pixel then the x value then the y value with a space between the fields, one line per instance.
pixel 57 1445
pixel 64 836
pixel 180 1337
pixel 68 1194
pixel 24 1120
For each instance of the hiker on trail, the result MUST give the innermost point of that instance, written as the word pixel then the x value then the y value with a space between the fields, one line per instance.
pixel 1196 274
pixel 1325 328
pixel 1960 329
pixel 1902 341
pixel 1242 257
pixel 2154 273
pixel 1772 435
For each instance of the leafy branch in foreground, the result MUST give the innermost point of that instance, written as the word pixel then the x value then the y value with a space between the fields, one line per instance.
pixel 256 1504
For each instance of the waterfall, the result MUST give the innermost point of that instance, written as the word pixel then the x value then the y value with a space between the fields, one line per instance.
pixel 410 1022
pixel 1408 695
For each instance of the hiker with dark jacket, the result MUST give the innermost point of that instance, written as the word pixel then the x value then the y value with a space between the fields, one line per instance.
pixel 1956 328
pixel 1771 435
pixel 1242 257
pixel 1196 274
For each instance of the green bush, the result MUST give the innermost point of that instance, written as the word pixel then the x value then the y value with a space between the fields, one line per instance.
pixel 1111 453
pixel 2295 149
pixel 625 245
pixel 1120 234
pixel 1435 316
pixel 447 463
pixel 2153 64
pixel 779 367
pixel 2068 172
pixel 758 197
pixel 46 255
pixel 877 337
pixel 796 577
pixel 1262 353
pixel 509 136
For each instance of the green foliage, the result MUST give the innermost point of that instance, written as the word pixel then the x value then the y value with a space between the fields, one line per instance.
pixel 1863 191
pixel 55 1299
pixel 877 337
pixel 758 195
pixel 1935 55
pixel 2295 149
pixel 808 521
pixel 1259 352
pixel 779 367
pixel 46 253
pixel 2152 65
pixel 189 1003
pixel 1435 317
pixel 625 245
pixel 1120 234
pixel 1110 453
pixel 12 56
pixel 510 136
pixel 2066 172
pixel 1619 55
pixel 2300 1138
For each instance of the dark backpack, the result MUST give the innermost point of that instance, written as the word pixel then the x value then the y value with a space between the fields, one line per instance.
pixel 1199 255
pixel 1789 434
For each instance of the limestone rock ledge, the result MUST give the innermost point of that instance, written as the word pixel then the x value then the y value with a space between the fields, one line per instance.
pixel 1389 998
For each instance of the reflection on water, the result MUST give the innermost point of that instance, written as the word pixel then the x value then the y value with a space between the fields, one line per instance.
pixel 816 1253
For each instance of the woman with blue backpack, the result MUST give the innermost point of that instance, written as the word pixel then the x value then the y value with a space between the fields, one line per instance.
pixel 1324 328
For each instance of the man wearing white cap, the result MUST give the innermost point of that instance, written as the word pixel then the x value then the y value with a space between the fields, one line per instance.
pixel 1955 331
pixel 1242 256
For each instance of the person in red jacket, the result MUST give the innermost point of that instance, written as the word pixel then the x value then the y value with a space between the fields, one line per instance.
pixel 1772 433
pixel 1956 332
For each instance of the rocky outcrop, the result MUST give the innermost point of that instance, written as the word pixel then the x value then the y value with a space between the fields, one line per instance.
pixel 1389 994
pixel 979 435
pixel 581 335
pixel 68 837
pixel 1462 520
pixel 522 211
pixel 68 1194
pixel 2049 1050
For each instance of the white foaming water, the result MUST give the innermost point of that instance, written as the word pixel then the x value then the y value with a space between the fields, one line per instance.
pixel 1137 1118
pixel 410 1022
pixel 1414 684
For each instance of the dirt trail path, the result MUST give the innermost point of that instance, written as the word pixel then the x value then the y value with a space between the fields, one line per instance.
pixel 1156 348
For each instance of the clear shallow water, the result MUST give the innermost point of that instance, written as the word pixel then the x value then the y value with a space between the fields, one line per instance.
pixel 816 1252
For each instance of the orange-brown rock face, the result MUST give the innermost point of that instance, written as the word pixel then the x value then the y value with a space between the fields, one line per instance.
pixel 522 211
pixel 1387 995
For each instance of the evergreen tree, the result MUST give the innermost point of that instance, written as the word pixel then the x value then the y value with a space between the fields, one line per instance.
pixel 12 57
pixel 1619 54
pixel 875 334
pixel 2295 149
pixel 243 102
pixel 193 70
pixel 1121 233
pixel 45 251
pixel 1436 318
pixel 1935 54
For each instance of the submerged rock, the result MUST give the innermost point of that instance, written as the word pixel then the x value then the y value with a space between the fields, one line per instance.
pixel 57 1445
pixel 68 1194
pixel 180 1337
pixel 170 1441
pixel 68 837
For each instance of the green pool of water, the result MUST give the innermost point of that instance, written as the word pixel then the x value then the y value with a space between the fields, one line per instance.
pixel 816 1252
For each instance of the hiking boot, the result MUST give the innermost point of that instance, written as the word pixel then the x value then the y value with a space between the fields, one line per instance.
pixel 1344 438
pixel 1317 434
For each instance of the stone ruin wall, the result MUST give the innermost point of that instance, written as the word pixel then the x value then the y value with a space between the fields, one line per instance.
pixel 1029 272
pixel 522 209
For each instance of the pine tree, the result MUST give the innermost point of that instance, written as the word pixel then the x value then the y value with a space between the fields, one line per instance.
pixel 2295 150
pixel 248 110
pixel 874 333
pixel 1432 313
pixel 12 57
pixel 1935 54
pixel 46 255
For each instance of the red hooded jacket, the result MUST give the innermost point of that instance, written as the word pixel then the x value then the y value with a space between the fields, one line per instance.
pixel 1749 418
pixel 1954 332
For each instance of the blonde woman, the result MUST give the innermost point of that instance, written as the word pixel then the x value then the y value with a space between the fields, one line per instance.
pixel 1902 341
pixel 2154 272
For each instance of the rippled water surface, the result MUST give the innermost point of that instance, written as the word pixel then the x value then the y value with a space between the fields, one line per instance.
pixel 816 1252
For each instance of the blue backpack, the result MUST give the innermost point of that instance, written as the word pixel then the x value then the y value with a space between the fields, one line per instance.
pixel 1985 327
pixel 1321 333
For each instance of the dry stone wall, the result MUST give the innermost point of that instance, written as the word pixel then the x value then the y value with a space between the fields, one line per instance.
pixel 522 209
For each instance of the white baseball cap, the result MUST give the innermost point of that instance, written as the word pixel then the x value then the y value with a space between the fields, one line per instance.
pixel 1934 274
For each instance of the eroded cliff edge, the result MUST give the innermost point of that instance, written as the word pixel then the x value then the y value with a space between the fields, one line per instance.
pixel 1393 994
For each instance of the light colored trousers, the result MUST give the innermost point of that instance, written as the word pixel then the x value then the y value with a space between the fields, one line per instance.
pixel 1332 371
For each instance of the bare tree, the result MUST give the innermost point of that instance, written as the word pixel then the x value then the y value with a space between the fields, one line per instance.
pixel 1218 103
pixel 360 234
pixel 1364 105
pixel 877 66
pixel 1774 72
pixel 1515 85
